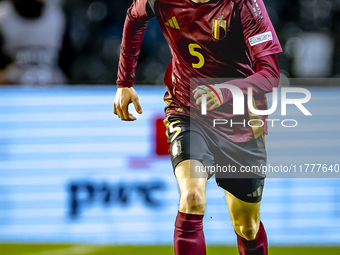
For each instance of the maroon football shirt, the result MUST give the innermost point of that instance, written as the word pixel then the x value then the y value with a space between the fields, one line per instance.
pixel 217 39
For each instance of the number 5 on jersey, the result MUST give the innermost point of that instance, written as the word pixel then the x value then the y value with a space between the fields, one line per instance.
pixel 197 54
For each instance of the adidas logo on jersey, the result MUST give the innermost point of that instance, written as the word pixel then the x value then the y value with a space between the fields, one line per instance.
pixel 173 23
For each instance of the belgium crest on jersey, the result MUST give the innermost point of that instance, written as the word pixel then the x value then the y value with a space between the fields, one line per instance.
pixel 219 29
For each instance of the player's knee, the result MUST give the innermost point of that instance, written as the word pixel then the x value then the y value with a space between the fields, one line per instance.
pixel 246 230
pixel 194 202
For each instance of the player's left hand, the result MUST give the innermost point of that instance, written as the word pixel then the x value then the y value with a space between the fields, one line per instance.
pixel 214 96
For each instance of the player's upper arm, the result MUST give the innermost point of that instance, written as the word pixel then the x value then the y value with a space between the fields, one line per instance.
pixel 258 31
pixel 140 11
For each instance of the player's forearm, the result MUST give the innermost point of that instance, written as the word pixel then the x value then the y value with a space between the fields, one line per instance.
pixel 130 48
pixel 265 78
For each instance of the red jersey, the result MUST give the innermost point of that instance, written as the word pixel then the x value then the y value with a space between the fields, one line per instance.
pixel 217 39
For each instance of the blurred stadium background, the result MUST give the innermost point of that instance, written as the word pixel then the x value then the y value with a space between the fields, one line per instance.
pixel 71 173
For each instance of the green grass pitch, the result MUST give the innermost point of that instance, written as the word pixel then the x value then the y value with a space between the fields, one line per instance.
pixel 58 249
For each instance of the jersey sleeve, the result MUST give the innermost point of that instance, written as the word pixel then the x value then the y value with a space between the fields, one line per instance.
pixel 258 31
pixel 265 78
pixel 140 10
pixel 134 28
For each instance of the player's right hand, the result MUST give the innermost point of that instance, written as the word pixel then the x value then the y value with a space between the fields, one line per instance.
pixel 124 97
pixel 215 98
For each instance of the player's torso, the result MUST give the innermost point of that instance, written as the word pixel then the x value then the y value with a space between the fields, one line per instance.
pixel 205 39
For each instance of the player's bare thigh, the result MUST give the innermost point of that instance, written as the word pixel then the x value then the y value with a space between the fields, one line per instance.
pixel 244 216
pixel 192 190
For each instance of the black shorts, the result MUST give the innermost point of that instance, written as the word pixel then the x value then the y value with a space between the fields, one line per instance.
pixel 189 140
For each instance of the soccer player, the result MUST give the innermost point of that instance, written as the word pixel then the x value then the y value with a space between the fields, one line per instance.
pixel 209 39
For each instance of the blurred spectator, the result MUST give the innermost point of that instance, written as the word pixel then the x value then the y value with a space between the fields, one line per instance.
pixel 31 38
